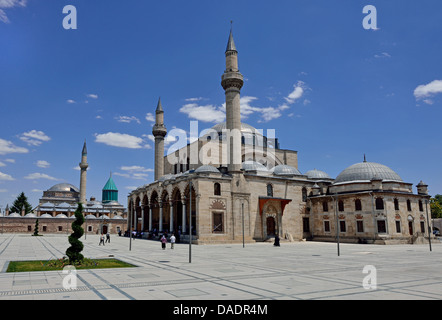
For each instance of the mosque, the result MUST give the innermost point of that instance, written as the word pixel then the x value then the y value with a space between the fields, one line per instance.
pixel 236 184
pixel 58 204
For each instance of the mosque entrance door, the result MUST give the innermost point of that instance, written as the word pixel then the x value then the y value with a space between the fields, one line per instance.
pixel 270 226
pixel 104 229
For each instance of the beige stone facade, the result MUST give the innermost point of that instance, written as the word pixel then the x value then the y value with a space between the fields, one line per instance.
pixel 263 194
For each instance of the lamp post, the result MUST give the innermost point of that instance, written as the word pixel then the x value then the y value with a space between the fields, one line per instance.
pixel 242 210
pixel 190 221
pixel 428 223
pixel 337 222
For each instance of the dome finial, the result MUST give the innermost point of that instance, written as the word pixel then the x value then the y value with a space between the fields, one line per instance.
pixel 365 159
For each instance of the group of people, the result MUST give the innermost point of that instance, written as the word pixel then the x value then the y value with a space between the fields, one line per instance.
pixel 102 239
pixel 164 241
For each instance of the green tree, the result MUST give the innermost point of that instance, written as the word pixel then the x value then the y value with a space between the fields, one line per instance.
pixel 436 206
pixel 74 251
pixel 36 228
pixel 19 203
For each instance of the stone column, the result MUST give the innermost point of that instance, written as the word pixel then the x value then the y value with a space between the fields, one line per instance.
pixel 150 218
pixel 161 218
pixel 183 228
pixel 171 217
pixel 142 218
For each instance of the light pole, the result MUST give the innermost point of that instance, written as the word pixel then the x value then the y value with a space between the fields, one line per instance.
pixel 242 210
pixel 428 223
pixel 337 222
pixel 190 221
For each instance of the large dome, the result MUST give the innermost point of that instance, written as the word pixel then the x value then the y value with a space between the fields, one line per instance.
pixel 64 187
pixel 244 128
pixel 367 171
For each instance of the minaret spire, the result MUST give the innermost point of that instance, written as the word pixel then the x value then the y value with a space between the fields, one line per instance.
pixel 159 131
pixel 83 179
pixel 232 82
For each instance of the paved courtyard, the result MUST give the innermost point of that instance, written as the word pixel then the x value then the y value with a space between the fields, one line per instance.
pixel 301 270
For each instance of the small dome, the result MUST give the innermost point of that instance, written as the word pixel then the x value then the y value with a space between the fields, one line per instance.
pixel 46 215
pixel 61 216
pixel 367 171
pixel 117 217
pixel 89 216
pixel 14 215
pixel 285 170
pixel 64 187
pixel 254 166
pixel 47 205
pixel 64 205
pixel 317 174
pixel 31 215
pixel 103 217
pixel 207 169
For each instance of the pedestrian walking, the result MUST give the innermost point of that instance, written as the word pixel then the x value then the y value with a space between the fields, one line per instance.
pixel 276 244
pixel 172 241
pixel 107 237
pixel 101 240
pixel 163 242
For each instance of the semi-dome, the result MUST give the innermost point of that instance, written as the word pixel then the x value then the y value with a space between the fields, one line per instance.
pixel 367 171
pixel 207 169
pixel 254 166
pixel 285 170
pixel 64 187
pixel 317 174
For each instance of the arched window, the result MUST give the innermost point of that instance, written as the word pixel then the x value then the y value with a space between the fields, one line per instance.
pixel 217 189
pixel 358 205
pixel 396 204
pixel 408 205
pixel 379 204
pixel 304 194
pixel 325 206
pixel 341 205
pixel 269 190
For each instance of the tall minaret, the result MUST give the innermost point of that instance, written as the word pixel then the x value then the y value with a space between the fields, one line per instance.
pixel 83 179
pixel 159 131
pixel 232 82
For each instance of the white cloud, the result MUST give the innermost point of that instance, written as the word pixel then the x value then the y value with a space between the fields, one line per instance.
pixel 8 147
pixel 150 117
pixel 208 113
pixel 298 91
pixel 3 190
pixel 127 119
pixel 121 140
pixel 2 164
pixel 92 96
pixel 70 101
pixel 426 91
pixel 133 175
pixel 7 4
pixel 43 164
pixel 5 177
pixel 194 99
pixel 37 190
pixel 136 168
pixel 10 160
pixel 35 176
pixel 382 55
pixel 34 137
pixel 130 188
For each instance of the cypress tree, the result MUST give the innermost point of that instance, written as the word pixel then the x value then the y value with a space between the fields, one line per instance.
pixel 74 251
pixel 36 228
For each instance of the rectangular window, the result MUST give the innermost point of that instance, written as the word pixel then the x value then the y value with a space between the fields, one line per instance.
pixel 44 228
pixel 89 228
pixel 342 226
pixel 326 226
pixel 422 227
pixel 60 228
pixel 29 228
pixel 398 226
pixel 218 224
pixel 359 226
pixel 382 227
pixel 306 224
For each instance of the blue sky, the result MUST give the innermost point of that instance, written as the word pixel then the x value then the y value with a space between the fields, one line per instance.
pixel 333 90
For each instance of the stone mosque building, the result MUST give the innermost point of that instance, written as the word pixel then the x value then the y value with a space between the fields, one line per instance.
pixel 235 183
pixel 57 206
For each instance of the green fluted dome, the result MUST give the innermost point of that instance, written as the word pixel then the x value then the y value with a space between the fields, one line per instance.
pixel 110 191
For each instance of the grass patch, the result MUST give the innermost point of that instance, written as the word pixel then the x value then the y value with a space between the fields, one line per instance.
pixel 58 265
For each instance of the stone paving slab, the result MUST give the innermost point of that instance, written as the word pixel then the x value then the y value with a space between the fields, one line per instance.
pixel 294 271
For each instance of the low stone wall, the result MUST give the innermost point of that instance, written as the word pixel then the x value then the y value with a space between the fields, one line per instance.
pixel 60 226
